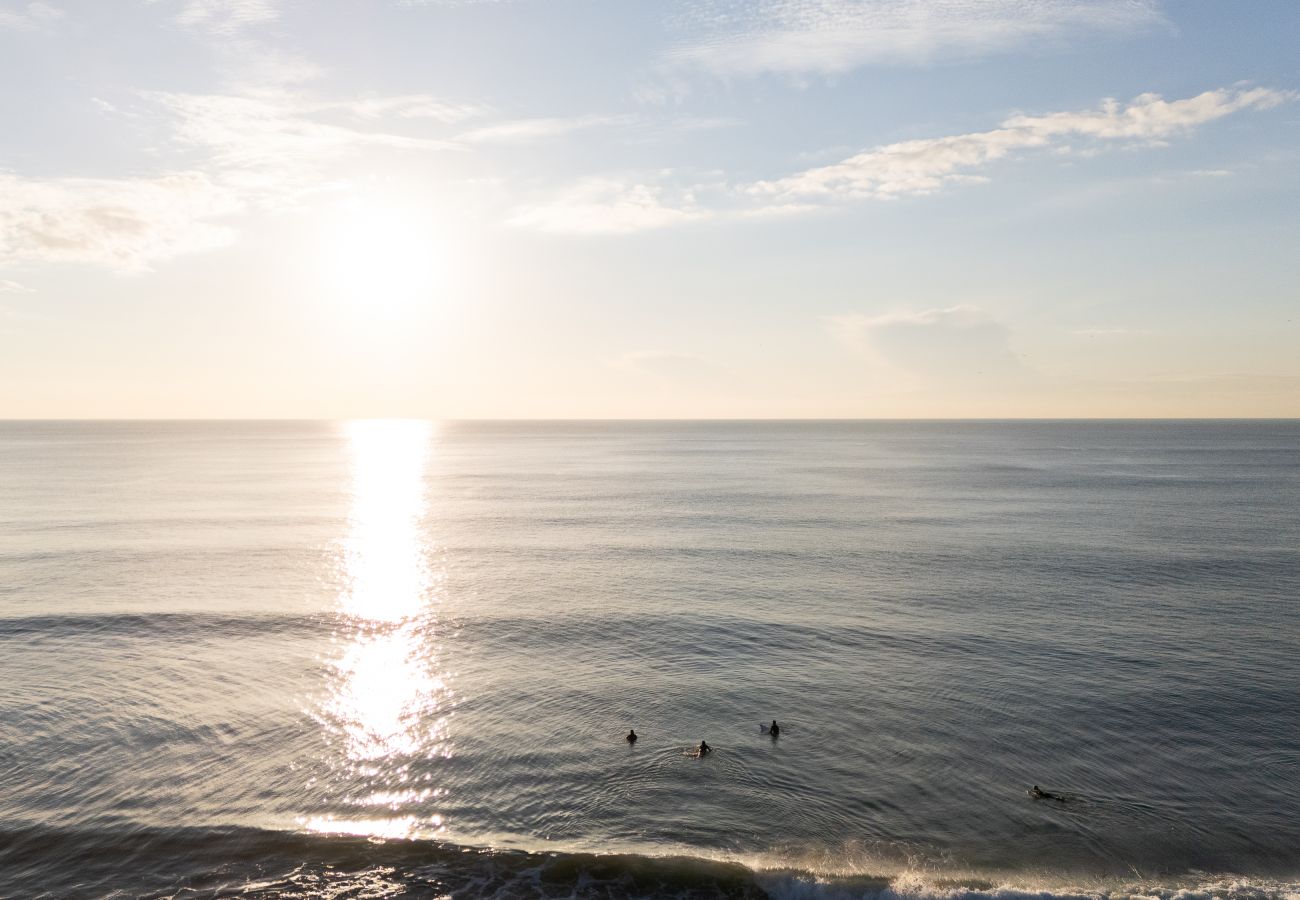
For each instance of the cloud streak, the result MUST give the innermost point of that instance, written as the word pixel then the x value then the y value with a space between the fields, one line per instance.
pixel 906 168
pixel 926 165
pixel 751 37
pixel 281 138
pixel 609 206
pixel 520 131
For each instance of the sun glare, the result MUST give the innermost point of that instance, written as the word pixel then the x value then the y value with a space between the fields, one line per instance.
pixel 383 258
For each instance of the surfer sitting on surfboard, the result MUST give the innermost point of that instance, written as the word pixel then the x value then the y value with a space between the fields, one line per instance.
pixel 704 748
pixel 631 736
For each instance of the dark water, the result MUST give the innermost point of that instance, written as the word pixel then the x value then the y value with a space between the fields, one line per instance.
pixel 398 659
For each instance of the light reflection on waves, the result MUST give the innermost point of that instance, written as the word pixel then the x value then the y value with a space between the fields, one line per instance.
pixel 389 705
pixel 386 570
pixel 389 697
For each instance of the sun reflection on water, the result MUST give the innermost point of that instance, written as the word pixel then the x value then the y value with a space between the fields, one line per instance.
pixel 389 704
pixel 384 555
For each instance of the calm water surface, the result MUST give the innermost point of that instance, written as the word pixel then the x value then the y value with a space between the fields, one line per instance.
pixel 399 659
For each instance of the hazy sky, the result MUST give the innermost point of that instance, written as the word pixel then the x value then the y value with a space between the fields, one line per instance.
pixel 590 208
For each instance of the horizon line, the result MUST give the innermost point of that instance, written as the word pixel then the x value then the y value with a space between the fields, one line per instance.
pixel 652 419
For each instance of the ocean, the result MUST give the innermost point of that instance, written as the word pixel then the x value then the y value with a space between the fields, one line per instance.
pixel 399 659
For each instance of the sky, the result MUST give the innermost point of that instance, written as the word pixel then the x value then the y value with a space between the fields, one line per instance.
pixel 667 209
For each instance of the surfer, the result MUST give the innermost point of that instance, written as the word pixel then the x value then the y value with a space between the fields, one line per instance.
pixel 705 748
pixel 775 729
pixel 631 736
pixel 1039 794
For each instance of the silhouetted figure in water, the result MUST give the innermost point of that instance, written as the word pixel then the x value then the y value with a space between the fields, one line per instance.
pixel 631 736
pixel 775 730
pixel 705 748
pixel 1039 794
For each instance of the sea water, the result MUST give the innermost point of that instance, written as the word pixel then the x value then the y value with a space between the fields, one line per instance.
pixel 399 658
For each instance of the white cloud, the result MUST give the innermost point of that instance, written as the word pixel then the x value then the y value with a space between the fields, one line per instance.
pixel 749 37
pixel 225 16
pixel 124 223
pixel 608 206
pixel 1149 117
pixel 13 287
pixel 529 130
pixel 253 149
pixel 279 142
pixel 450 2
pixel 928 164
pixel 914 167
pixel 668 366
pixel 856 329
pixel 1100 332
pixel 254 66
pixel 414 106
pixel 951 344
pixel 525 130
pixel 32 16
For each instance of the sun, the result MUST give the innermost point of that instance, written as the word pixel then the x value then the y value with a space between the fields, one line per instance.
pixel 382 258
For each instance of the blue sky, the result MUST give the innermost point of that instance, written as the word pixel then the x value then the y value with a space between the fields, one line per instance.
pixel 541 208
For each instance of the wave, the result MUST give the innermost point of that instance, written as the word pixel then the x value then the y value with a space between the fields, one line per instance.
pixel 164 624
pixel 125 860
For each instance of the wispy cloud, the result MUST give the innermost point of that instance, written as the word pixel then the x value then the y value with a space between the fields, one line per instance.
pixel 413 106
pixel 280 141
pixel 526 130
pixel 609 206
pixel 926 165
pixel 749 37
pixel 637 127
pixel 13 287
pixel 30 17
pixel 668 366
pixel 225 16
pixel 1101 332
pixel 254 149
pixel 125 223
pixel 451 2
pixel 915 167
pixel 956 342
